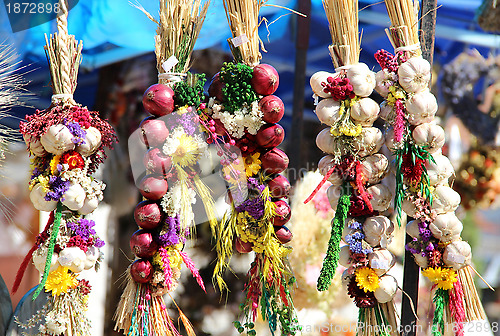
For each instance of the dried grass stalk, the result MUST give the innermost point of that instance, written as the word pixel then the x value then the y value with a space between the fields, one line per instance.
pixel 474 308
pixel 404 19
pixel 243 18
pixel 342 17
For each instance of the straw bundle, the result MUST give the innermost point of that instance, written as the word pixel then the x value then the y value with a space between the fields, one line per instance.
pixel 243 19
pixel 475 311
pixel 404 29
pixel 342 17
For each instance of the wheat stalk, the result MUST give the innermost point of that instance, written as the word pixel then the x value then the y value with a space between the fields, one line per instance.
pixel 342 17
pixel 404 20
pixel 243 18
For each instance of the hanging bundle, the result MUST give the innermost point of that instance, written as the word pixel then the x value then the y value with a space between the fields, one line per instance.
pixel 174 140
pixel 67 142
pixel 245 114
pixel 423 172
pixel 355 170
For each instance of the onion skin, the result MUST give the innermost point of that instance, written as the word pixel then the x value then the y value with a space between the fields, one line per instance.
pixel 142 244
pixel 265 79
pixel 273 109
pixel 141 271
pixel 274 161
pixel 147 215
pixel 154 132
pixel 153 188
pixel 270 135
pixel 215 88
pixel 279 187
pixel 283 213
pixel 242 247
pixel 156 162
pixel 283 234
pixel 158 100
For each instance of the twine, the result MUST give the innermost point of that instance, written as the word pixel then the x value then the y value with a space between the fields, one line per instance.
pixel 343 67
pixel 62 27
pixel 171 78
pixel 411 47
pixel 61 97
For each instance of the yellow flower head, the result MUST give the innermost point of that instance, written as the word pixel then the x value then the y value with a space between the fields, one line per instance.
pixel 367 279
pixel 53 164
pixel 444 278
pixel 252 164
pixel 60 281
pixel 187 151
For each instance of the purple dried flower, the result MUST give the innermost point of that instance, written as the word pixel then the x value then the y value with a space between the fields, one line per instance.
pixel 78 132
pixel 98 243
pixel 354 225
pixel 172 236
pixel 58 187
pixel 83 228
pixel 254 207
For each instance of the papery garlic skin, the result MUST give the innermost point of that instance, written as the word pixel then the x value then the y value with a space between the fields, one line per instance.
pixel 446 227
pixel 39 260
pixel 384 81
pixel 440 171
pixel 387 289
pixel 333 194
pixel 328 111
pixel 89 205
pixel 414 75
pixel 74 258
pixel 74 197
pixel 458 254
pixel 369 141
pixel 381 197
pixel 328 144
pixel 386 111
pixel 325 164
pixel 362 79
pixel 92 255
pixel 375 168
pixel 375 228
pixel 365 111
pixel 345 256
pixel 421 260
pixel 57 139
pixel 381 261
pixel 421 108
pixel 34 145
pixel 91 143
pixel 445 199
pixel 412 228
pixel 37 197
pixel 409 207
pixel 316 80
pixel 430 136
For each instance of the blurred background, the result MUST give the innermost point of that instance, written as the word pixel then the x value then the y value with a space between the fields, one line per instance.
pixel 118 66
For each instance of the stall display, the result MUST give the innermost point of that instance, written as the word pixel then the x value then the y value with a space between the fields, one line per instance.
pixel 246 115
pixel 67 143
pixel 356 170
pixel 422 174
pixel 173 140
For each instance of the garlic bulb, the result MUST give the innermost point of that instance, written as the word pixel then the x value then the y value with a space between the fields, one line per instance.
pixel 429 135
pixel 346 279
pixel 389 140
pixel 57 139
pixel 386 111
pixel 421 260
pixel 365 111
pixel 328 111
pixel 34 145
pixel 316 80
pixel 89 205
pixel 74 258
pixel 92 256
pixel 381 261
pixel 328 144
pixel 375 228
pixel 325 164
pixel 381 197
pixel 383 82
pixel 74 197
pixel 409 207
pixel 412 228
pixel 421 108
pixel 333 194
pixel 387 289
pixel 40 257
pixel 445 200
pixel 414 75
pixel 457 254
pixel 440 171
pixel 369 141
pixel 37 197
pixel 446 227
pixel 345 256
pixel 374 168
pixel 92 142
pixel 362 79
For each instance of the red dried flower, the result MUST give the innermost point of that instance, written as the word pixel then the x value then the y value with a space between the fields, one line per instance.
pixel 359 207
pixel 84 286
pixel 339 88
pixel 435 258
pixel 78 242
pixel 361 299
pixel 73 159
pixel 412 171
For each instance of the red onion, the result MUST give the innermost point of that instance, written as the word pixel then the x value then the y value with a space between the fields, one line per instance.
pixel 215 88
pixel 283 213
pixel 283 234
pixel 242 247
pixel 143 244
pixel 279 187
pixel 141 271
pixel 273 109
pixel 147 215
pixel 153 188
pixel 274 161
pixel 156 162
pixel 154 132
pixel 265 79
pixel 158 100
pixel 270 135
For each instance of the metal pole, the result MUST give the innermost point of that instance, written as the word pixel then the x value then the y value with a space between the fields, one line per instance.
pixel 411 269
pixel 301 46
